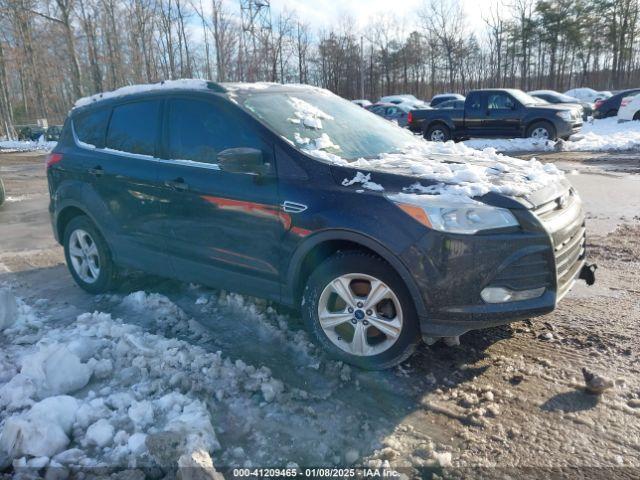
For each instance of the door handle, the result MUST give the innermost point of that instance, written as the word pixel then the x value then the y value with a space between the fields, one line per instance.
pixel 96 171
pixel 177 184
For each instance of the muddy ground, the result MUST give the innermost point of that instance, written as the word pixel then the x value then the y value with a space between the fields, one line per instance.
pixel 507 402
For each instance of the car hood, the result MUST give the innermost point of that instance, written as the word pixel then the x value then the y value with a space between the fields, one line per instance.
pixel 551 106
pixel 473 176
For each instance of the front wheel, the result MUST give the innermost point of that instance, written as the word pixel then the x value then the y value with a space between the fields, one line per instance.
pixel 359 310
pixel 88 256
pixel 541 131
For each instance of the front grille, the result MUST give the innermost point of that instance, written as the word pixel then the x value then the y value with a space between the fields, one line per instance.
pixel 564 221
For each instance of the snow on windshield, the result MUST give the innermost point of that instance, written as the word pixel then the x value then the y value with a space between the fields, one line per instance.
pixel 336 131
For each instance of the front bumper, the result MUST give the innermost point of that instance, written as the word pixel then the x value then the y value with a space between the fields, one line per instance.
pixel 452 270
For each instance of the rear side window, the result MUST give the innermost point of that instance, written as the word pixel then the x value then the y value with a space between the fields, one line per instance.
pixel 474 101
pixel 91 127
pixel 199 130
pixel 134 127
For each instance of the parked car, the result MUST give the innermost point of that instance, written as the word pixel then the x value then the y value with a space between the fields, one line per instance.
pixel 445 97
pixel 395 113
pixel 557 98
pixel 497 113
pixel 30 132
pixel 362 102
pixel 608 107
pixel 214 184
pixel 629 108
pixel 53 133
pixel 410 100
pixel 586 94
pixel 449 104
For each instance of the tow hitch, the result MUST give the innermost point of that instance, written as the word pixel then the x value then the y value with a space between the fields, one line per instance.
pixel 588 273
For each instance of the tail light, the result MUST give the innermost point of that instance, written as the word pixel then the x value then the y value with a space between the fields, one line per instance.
pixel 53 158
pixel 625 101
pixel 598 103
pixel 410 117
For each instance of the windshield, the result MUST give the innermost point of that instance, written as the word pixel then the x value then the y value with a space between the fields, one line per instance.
pixel 319 122
pixel 524 98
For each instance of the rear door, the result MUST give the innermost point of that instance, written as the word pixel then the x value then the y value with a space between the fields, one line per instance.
pixel 123 172
pixel 474 113
pixel 225 228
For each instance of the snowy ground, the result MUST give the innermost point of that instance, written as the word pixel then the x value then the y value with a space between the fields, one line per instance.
pixel 596 136
pixel 7 146
pixel 161 372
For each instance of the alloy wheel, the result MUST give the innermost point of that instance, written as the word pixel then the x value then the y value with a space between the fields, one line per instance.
pixel 540 133
pixel 437 136
pixel 84 255
pixel 360 314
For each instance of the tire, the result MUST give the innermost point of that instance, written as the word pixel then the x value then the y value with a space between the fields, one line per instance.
pixel 438 133
pixel 1 192
pixel 100 273
pixel 394 312
pixel 636 116
pixel 535 131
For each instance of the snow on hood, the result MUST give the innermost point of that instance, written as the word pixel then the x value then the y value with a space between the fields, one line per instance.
pixel 456 169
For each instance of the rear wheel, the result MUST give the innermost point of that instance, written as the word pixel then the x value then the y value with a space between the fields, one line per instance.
pixel 88 256
pixel 359 310
pixel 541 131
pixel 438 133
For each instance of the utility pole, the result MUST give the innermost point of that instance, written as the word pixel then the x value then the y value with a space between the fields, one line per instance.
pixel 256 21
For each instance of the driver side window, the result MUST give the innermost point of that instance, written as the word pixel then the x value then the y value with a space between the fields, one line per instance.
pixel 500 101
pixel 199 130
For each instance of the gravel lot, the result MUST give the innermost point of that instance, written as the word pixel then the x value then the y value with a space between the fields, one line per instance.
pixel 508 401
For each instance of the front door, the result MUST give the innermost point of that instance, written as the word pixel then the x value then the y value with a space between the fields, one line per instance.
pixel 503 116
pixel 225 228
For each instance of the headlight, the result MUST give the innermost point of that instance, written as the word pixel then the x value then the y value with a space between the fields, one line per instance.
pixel 565 115
pixel 447 216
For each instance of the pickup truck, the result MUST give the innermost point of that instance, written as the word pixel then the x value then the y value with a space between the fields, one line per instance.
pixel 497 113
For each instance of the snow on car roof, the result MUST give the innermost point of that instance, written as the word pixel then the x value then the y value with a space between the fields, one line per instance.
pixel 183 83
pixel 189 84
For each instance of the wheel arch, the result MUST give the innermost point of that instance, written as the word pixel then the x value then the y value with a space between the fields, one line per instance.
pixel 439 121
pixel 68 212
pixel 324 244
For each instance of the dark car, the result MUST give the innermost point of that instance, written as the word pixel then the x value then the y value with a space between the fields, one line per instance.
pixel 608 107
pixel 267 192
pixel 444 97
pixel 392 112
pixel 31 132
pixel 497 113
pixel 53 133
pixel 558 98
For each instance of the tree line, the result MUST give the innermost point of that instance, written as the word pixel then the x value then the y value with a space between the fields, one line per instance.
pixel 54 51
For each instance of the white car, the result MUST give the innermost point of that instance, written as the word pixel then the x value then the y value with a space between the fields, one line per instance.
pixel 629 108
pixel 585 94
pixel 404 99
pixel 362 102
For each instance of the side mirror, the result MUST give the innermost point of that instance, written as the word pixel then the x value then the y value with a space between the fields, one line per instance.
pixel 243 160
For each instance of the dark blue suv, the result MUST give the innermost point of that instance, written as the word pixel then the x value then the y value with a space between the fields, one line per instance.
pixel 293 194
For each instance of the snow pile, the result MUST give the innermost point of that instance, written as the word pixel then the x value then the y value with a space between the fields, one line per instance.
pixel 183 83
pixel 511 144
pixel 596 136
pixel 308 115
pixel 26 145
pixel 605 135
pixel 365 180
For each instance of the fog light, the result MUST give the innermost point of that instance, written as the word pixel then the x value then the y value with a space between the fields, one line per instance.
pixel 503 295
